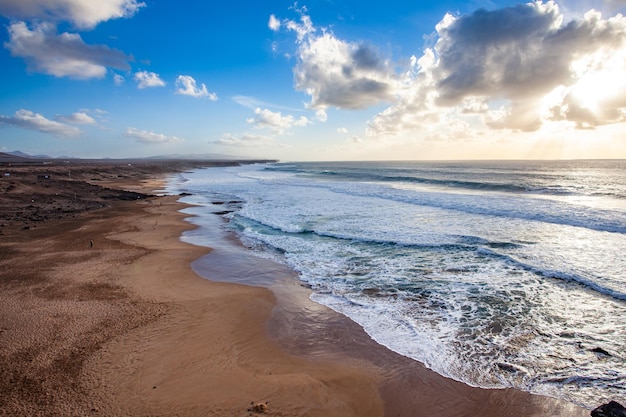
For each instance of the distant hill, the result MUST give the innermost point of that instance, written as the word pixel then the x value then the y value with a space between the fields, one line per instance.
pixel 19 156
pixel 195 157
pixel 10 157
pixel 27 156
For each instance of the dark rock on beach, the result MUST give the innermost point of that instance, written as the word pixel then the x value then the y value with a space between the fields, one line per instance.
pixel 612 409
pixel 600 351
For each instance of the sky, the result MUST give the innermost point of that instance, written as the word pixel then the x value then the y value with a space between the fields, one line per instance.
pixel 314 80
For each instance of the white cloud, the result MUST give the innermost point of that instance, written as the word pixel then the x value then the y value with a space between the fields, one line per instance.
pixel 508 50
pixel 414 110
pixel 247 101
pixel 147 79
pixel 61 55
pixel 65 54
pixel 336 73
pixel 78 118
pixel 30 120
pixel 342 130
pixel 321 115
pixel 118 79
pixel 84 14
pixel 274 23
pixel 356 140
pixel 275 121
pixel 253 103
pixel 514 68
pixel 186 85
pixel 577 8
pixel 148 137
pixel 245 140
pixel 302 29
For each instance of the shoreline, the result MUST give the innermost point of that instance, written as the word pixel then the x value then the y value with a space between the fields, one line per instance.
pixel 125 327
pixel 310 330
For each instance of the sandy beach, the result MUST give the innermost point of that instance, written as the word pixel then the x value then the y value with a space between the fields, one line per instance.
pixel 102 314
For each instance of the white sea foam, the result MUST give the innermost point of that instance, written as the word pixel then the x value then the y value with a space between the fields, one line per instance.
pixel 492 285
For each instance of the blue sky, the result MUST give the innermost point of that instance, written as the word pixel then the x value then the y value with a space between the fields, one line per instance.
pixel 316 80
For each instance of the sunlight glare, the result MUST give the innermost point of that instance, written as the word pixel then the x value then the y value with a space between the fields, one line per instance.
pixel 600 78
pixel 596 87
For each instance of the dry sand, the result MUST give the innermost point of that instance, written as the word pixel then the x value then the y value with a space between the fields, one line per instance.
pixel 102 315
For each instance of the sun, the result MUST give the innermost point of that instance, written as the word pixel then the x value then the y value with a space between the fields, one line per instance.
pixel 595 88
pixel 600 78
pixel 594 96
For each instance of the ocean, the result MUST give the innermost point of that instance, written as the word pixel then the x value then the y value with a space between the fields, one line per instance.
pixel 496 274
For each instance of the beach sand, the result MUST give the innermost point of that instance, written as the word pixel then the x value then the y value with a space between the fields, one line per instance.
pixel 102 314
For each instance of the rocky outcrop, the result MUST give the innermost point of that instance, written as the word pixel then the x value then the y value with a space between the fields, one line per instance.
pixel 612 409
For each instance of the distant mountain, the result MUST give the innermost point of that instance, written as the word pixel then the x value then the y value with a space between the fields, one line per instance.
pixel 182 157
pixel 21 154
pixel 9 157
pixel 27 156
pixel 18 154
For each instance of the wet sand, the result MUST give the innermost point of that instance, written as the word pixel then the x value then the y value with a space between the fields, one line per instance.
pixel 102 314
